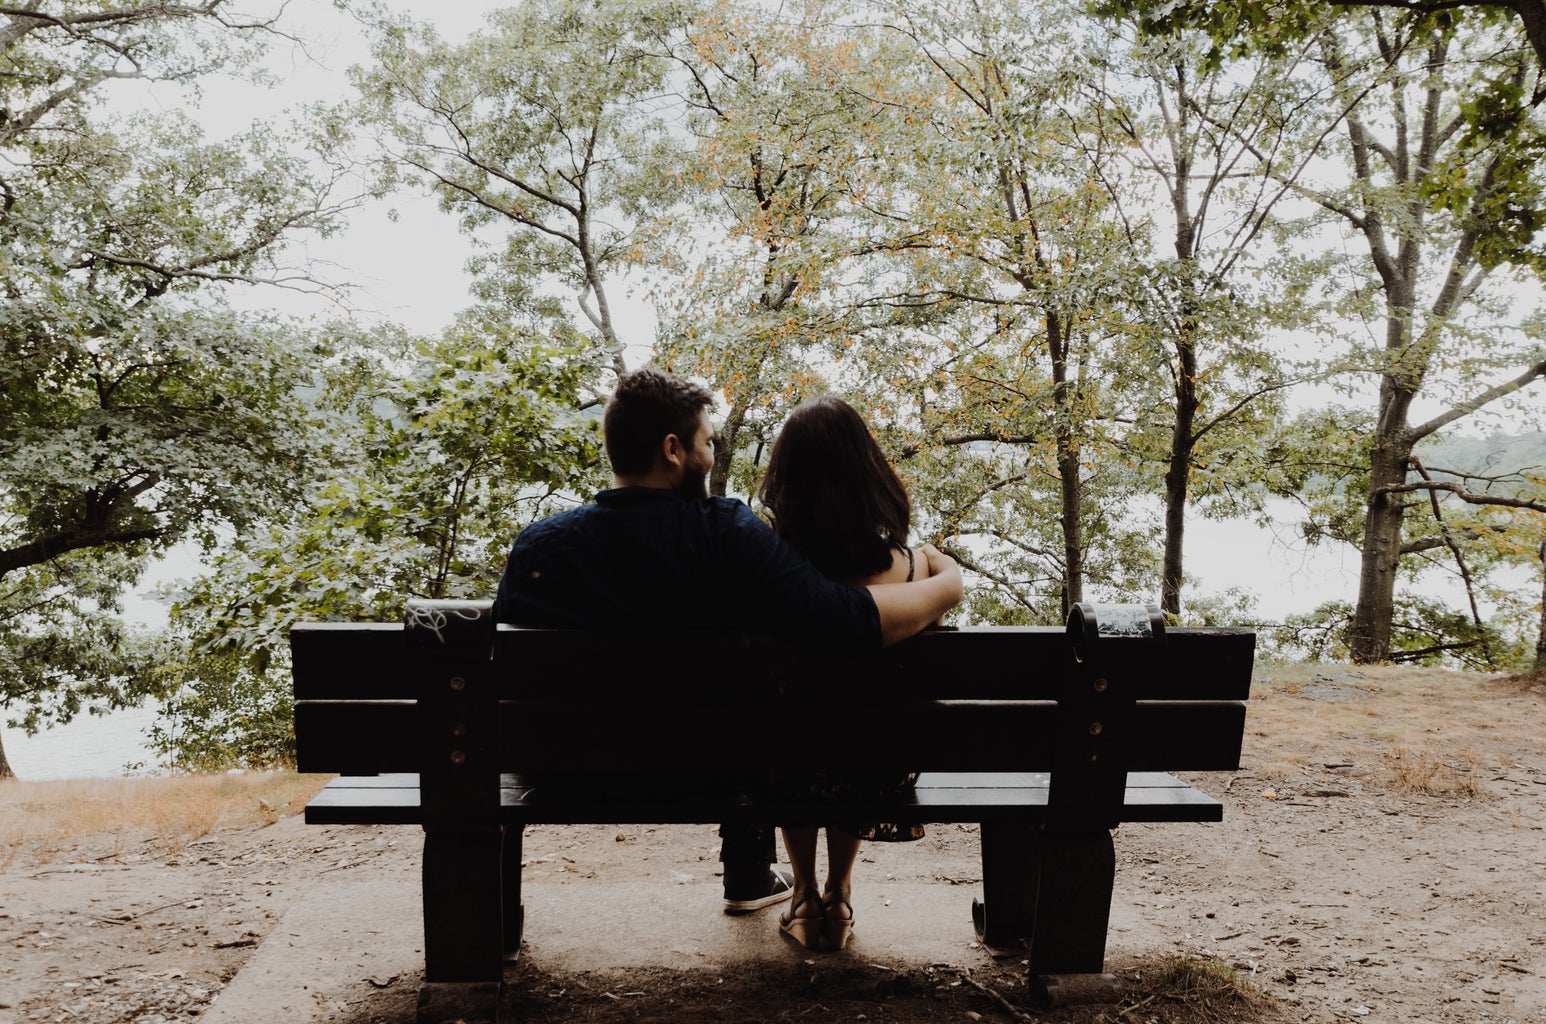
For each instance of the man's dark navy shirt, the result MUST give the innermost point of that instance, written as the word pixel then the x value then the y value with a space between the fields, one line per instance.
pixel 645 558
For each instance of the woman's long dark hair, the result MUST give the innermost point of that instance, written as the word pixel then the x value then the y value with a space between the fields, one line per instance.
pixel 832 493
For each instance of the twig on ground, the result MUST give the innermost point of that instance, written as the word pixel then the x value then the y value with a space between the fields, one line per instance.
pixel 1003 1004
pixel 71 869
pixel 126 918
pixel 1137 1006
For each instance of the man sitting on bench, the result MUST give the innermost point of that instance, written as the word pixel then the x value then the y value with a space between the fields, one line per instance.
pixel 656 552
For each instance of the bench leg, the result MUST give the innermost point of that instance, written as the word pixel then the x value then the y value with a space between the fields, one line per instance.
pixel 510 887
pixel 1011 865
pixel 1049 889
pixel 1078 869
pixel 463 933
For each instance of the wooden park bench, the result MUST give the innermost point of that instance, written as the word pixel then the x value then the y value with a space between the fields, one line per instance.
pixel 1046 738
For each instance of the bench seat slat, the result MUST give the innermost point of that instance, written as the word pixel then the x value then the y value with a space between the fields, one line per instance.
pixel 388 780
pixel 939 797
pixel 928 780
pixel 339 805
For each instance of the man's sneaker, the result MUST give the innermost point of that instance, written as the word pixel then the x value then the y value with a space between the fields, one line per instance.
pixel 774 887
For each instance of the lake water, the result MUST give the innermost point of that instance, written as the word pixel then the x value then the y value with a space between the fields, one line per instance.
pixel 1268 562
pixel 92 746
pixel 101 746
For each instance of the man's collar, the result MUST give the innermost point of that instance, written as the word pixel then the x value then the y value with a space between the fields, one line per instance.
pixel 635 494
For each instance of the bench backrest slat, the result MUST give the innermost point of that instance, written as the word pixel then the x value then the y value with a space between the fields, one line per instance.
pixel 365 661
pixel 366 737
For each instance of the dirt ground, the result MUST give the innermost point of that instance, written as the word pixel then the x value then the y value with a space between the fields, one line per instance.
pixel 1382 859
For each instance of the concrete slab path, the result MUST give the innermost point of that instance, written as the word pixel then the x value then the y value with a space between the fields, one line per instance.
pixel 356 937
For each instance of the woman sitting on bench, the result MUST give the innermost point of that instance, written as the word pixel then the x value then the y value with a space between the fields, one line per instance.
pixel 834 497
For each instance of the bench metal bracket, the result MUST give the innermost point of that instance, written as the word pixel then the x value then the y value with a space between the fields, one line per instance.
pixel 1053 881
pixel 472 896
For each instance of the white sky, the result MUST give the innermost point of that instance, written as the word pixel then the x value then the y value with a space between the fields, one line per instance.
pixel 409 271
pixel 406 269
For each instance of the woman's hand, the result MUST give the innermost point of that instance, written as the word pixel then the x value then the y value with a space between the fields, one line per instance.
pixel 942 565
pixel 939 565
pixel 938 561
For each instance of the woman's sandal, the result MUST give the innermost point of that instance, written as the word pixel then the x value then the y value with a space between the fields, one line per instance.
pixel 806 931
pixel 836 929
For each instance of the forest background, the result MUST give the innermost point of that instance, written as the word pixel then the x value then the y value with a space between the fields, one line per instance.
pixel 1087 270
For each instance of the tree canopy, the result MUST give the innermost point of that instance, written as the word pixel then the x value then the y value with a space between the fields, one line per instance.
pixel 137 409
pixel 1091 272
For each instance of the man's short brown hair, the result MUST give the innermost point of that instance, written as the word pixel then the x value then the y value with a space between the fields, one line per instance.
pixel 647 406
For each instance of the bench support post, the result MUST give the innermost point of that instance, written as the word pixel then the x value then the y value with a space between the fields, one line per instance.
pixel 510 889
pixel 1078 870
pixel 1054 885
pixel 463 927
pixel 1011 864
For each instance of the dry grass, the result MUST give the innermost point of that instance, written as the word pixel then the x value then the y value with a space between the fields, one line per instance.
pixel 1211 988
pixel 1412 772
pixel 1408 731
pixel 40 819
pixel 1525 683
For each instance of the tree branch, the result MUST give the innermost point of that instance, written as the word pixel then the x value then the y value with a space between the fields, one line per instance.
pixel 1454 549
pixel 1469 406
pixel 958 439
pixel 967 562
pixel 1469 497
pixel 38 551
pixel 1532 14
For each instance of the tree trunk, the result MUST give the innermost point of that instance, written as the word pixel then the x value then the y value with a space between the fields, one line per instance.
pixel 1070 483
pixel 1178 475
pixel 1369 637
pixel 5 765
pixel 1533 14
pixel 726 439
pixel 1073 527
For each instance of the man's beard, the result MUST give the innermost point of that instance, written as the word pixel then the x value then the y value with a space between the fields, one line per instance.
pixel 694 485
